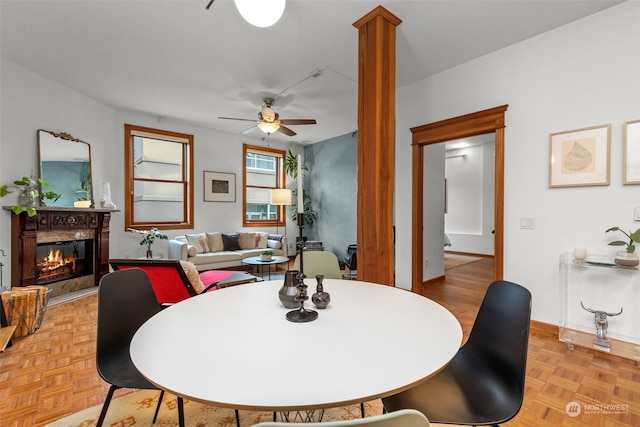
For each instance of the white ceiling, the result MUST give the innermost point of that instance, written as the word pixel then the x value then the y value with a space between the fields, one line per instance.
pixel 174 59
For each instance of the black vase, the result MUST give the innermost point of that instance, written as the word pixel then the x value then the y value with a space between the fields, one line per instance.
pixel 288 291
pixel 321 298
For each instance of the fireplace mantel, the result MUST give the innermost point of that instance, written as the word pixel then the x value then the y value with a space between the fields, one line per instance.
pixel 25 229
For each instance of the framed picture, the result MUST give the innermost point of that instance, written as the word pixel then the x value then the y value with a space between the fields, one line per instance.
pixel 219 187
pixel 580 157
pixel 631 153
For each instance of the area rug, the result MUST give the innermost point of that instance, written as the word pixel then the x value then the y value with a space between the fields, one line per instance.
pixel 456 260
pixel 137 408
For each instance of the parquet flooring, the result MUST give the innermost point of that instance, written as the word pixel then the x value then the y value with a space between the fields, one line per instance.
pixel 52 374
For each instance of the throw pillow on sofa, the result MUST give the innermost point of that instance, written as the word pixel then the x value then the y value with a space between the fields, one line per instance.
pixel 231 242
pixel 261 240
pixel 215 242
pixel 199 241
pixel 247 240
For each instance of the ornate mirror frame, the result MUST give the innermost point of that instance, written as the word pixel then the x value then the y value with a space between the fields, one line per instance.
pixel 65 163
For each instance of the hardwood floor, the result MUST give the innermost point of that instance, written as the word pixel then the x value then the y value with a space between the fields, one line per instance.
pixel 51 374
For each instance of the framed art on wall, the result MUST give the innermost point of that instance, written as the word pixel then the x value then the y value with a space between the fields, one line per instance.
pixel 580 157
pixel 219 187
pixel 631 153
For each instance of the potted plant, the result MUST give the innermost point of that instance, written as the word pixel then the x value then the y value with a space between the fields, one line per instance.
pixel 628 257
pixel 30 194
pixel 148 237
pixel 291 169
pixel 266 255
pixel 84 195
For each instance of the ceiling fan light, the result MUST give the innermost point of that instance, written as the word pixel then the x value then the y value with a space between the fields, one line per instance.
pixel 268 128
pixel 261 13
pixel 268 114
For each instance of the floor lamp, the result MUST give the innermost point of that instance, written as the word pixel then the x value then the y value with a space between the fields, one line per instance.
pixel 281 197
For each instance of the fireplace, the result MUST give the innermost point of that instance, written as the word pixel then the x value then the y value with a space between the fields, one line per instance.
pixel 65 249
pixel 63 260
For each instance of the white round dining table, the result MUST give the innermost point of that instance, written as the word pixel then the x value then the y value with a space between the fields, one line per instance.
pixel 235 348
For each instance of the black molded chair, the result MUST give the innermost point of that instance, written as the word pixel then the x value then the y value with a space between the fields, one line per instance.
pixel 484 382
pixel 125 301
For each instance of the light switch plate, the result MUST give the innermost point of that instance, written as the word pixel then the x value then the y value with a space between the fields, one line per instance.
pixel 636 214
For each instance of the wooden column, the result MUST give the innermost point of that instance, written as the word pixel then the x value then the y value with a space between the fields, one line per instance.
pixel 376 144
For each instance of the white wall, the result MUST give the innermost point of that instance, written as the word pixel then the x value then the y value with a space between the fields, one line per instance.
pixel 31 102
pixel 583 74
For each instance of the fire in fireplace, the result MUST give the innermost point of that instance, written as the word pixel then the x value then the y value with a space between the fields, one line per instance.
pixel 57 261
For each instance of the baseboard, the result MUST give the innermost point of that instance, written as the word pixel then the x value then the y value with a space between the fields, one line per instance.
pixel 468 254
pixel 433 280
pixel 544 328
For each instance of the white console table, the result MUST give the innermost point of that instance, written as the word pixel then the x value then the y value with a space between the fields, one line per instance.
pixel 599 285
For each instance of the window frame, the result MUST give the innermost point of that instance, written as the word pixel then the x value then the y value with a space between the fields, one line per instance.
pixel 280 183
pixel 188 177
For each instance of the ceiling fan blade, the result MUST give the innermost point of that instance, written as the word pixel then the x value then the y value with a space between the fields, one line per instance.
pixel 235 118
pixel 298 121
pixel 286 131
pixel 251 129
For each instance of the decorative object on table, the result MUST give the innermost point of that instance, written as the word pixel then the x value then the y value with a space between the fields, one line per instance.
pixel 580 157
pixel 31 194
pixel 628 257
pixel 219 187
pixel 301 315
pixel 580 254
pixel 631 152
pixel 266 255
pixel 600 320
pixel 289 291
pixel 148 237
pixel 321 298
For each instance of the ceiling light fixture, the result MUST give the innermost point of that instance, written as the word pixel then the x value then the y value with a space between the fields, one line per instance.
pixel 268 127
pixel 261 13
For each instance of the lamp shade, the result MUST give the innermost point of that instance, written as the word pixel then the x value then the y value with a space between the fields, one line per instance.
pixel 280 196
pixel 261 13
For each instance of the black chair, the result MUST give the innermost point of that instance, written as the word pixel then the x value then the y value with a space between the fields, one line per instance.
pixel 125 301
pixel 351 261
pixel 484 382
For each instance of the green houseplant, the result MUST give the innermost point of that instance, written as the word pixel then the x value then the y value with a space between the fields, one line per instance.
pixel 634 237
pixel 627 258
pixel 148 237
pixel 266 255
pixel 291 169
pixel 31 193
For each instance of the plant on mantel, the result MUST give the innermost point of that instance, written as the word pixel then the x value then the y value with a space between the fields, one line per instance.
pixel 30 194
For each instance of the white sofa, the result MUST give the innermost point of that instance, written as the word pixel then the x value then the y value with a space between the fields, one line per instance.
pixel 214 250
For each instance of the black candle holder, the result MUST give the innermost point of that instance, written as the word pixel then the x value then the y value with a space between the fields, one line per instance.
pixel 301 314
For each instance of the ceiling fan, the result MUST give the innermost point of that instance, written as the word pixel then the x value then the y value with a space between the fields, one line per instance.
pixel 269 121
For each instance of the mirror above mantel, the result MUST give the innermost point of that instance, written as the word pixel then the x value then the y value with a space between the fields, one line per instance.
pixel 65 163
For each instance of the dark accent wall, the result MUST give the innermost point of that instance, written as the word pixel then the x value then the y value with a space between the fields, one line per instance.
pixel 332 184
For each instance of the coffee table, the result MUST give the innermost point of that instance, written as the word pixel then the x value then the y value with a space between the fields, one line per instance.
pixel 255 260
pixel 372 341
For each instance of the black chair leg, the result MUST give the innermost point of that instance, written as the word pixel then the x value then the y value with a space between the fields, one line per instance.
pixel 237 418
pixel 105 406
pixel 155 416
pixel 362 409
pixel 180 412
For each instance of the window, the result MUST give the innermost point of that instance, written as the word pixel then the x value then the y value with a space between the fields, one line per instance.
pixel 158 178
pixel 263 171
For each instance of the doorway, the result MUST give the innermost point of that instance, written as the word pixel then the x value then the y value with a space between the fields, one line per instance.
pixel 479 123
